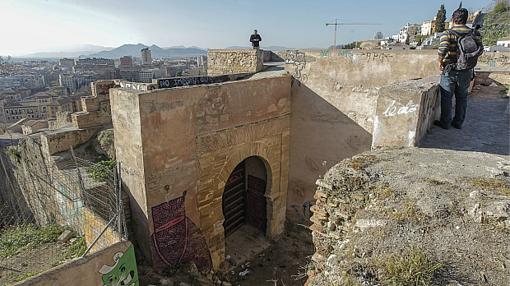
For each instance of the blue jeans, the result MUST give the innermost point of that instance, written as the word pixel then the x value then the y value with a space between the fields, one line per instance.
pixel 454 83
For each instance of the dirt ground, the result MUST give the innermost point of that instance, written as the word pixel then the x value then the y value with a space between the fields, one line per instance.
pixel 283 263
pixel 31 262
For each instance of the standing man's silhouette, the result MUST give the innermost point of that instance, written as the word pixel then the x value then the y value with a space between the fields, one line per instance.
pixel 255 39
pixel 459 50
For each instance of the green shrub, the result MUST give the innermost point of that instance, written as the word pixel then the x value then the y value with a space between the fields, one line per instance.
pixel 18 238
pixel 76 249
pixel 101 171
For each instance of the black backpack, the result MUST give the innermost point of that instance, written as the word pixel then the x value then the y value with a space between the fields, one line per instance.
pixel 469 50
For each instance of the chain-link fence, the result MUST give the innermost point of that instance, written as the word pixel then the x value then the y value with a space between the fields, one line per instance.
pixel 43 198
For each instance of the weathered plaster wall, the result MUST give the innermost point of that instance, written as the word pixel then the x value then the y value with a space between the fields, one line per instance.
pixel 128 147
pixel 95 269
pixel 334 103
pixel 349 81
pixel 321 135
pixel 192 138
pixel 221 62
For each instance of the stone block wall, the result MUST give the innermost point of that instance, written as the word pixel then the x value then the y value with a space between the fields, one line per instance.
pixel 405 112
pixel 63 139
pixel 96 111
pixel 221 62
pixel 177 148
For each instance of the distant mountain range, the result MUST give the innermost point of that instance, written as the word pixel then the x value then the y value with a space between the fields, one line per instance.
pixel 91 51
pixel 157 52
pixel 133 50
pixel 69 52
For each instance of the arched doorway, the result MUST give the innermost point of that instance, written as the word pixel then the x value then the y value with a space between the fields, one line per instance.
pixel 244 199
pixel 245 209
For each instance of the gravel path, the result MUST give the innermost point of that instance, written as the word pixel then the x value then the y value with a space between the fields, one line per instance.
pixel 486 129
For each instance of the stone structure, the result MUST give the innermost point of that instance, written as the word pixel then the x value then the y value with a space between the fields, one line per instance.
pixel 178 147
pixel 96 115
pixel 220 62
pixel 335 104
pixel 179 140
pixel 384 205
pixel 405 112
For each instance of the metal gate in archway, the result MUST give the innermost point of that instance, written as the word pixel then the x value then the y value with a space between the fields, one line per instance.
pixel 244 201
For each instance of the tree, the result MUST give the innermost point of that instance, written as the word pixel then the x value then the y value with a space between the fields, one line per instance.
pixel 419 39
pixel 440 19
pixel 378 36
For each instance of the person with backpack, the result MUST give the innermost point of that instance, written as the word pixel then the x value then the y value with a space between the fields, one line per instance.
pixel 459 49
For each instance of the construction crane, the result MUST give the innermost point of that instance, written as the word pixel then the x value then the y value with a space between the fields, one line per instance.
pixel 336 24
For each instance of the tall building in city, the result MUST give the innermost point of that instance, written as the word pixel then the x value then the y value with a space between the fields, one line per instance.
pixel 146 56
pixel 66 63
pixel 126 62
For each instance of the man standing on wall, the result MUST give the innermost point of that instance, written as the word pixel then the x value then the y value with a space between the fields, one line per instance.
pixel 459 50
pixel 255 39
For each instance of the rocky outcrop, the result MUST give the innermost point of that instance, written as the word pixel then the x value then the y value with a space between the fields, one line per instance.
pixel 439 217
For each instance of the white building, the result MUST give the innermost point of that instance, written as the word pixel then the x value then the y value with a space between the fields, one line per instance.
pixel 505 42
pixel 147 75
pixel 73 82
pixel 408 32
pixel 427 28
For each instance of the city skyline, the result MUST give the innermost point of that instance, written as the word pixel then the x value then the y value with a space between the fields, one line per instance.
pixel 56 25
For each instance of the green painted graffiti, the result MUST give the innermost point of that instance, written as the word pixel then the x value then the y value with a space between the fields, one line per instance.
pixel 123 272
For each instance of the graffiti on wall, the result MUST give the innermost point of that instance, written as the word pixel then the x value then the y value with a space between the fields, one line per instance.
pixel 298 60
pixel 198 80
pixel 176 239
pixel 123 271
pixel 396 108
pixel 339 52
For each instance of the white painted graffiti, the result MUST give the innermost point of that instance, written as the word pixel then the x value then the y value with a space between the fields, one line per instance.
pixel 397 108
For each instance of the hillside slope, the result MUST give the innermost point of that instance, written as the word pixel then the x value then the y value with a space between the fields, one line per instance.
pixel 497 23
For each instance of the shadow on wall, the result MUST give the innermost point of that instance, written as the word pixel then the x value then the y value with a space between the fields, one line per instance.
pixel 138 228
pixel 13 203
pixel 486 128
pixel 321 136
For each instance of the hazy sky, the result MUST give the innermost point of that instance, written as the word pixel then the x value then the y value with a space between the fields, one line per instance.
pixel 28 26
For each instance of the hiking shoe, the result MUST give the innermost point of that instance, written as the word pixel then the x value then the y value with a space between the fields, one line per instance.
pixel 438 123
pixel 456 126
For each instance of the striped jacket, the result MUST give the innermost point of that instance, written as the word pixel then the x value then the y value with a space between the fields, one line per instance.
pixel 448 47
